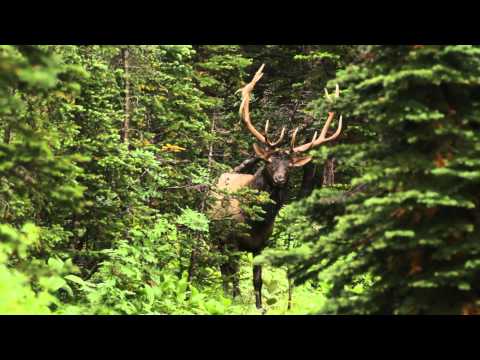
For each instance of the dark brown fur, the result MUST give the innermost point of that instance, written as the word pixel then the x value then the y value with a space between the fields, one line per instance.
pixel 273 179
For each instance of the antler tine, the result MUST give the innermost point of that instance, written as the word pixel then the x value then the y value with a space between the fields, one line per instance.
pixel 327 125
pixel 321 139
pixel 244 109
pixel 305 147
pixel 313 140
pixel 273 144
pixel 292 143
pixel 327 95
pixel 339 130
pixel 266 131
pixel 258 75
pixel 282 134
pixel 337 93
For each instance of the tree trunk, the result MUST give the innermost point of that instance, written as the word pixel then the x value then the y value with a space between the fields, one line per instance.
pixel 193 260
pixel 308 180
pixel 290 291
pixel 290 282
pixel 126 122
pixel 195 247
pixel 329 172
pixel 7 135
pixel 210 150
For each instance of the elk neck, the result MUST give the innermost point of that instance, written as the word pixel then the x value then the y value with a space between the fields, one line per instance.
pixel 277 194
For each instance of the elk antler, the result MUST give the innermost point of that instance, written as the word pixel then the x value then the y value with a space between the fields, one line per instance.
pixel 244 112
pixel 321 139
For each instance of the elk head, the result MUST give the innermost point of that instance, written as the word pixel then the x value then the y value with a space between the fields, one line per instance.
pixel 279 161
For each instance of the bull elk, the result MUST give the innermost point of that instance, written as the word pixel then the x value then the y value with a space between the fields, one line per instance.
pixel 272 178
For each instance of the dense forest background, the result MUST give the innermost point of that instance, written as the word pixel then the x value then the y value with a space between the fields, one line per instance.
pixel 108 155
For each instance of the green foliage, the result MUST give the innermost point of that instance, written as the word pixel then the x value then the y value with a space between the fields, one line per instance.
pixel 93 222
pixel 413 116
pixel 95 208
pixel 193 220
pixel 29 284
pixel 129 215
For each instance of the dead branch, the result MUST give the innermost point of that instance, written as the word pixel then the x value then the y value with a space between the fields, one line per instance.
pixel 246 164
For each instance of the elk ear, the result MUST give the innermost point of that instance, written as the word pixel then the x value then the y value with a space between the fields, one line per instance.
pixel 261 152
pixel 297 162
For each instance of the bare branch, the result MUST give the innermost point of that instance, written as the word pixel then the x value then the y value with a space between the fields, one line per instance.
pixel 246 164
